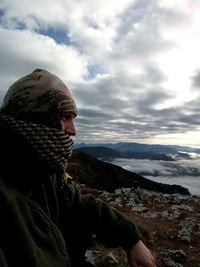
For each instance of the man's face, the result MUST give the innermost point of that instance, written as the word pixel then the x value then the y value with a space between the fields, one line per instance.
pixel 67 122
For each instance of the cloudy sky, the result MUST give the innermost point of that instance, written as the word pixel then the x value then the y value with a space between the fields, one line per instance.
pixel 133 66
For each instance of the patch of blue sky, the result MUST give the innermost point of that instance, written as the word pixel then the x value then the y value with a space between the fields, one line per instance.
pixel 59 36
pixel 21 26
pixel 1 15
pixel 1 12
pixel 18 25
pixel 94 70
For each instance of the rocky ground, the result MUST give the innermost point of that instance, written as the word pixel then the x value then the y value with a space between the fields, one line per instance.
pixel 169 218
pixel 170 224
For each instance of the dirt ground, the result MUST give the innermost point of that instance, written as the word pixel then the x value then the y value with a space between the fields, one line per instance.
pixel 160 234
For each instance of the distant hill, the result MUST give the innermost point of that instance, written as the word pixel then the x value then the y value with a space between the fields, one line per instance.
pixel 136 151
pixel 102 175
pixel 136 147
pixel 101 152
pixel 106 153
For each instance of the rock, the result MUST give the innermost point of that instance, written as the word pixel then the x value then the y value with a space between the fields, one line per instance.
pixel 152 215
pixel 171 214
pixel 187 227
pixel 116 203
pixel 175 200
pixel 182 207
pixel 118 191
pixel 178 256
pixel 170 263
pixel 175 211
pixel 89 257
pixel 139 209
pixel 131 203
pixel 134 194
pixel 112 259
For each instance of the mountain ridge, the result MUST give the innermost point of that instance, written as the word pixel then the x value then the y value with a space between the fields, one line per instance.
pixel 133 146
pixel 107 153
pixel 107 176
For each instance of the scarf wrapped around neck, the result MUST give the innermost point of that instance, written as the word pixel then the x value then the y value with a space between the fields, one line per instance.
pixel 53 147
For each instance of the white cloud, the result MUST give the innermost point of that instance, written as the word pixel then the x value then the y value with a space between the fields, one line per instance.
pixel 134 59
pixel 181 172
pixel 26 50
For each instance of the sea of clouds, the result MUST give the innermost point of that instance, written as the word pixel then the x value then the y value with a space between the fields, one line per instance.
pixel 182 172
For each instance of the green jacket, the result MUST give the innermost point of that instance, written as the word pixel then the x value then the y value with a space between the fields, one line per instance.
pixel 44 223
pixel 27 236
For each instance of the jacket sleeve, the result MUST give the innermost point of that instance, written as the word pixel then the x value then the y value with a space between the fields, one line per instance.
pixel 3 262
pixel 111 227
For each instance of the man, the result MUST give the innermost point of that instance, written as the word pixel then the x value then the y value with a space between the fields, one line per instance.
pixel 44 220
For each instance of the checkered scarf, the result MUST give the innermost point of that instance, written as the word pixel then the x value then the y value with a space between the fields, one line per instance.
pixel 52 146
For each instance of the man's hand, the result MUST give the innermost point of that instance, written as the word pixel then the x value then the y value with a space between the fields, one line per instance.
pixel 139 255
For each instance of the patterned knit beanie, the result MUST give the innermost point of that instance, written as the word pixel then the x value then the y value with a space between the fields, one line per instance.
pixel 32 108
pixel 40 93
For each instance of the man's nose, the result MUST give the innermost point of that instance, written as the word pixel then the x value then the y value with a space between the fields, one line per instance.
pixel 70 129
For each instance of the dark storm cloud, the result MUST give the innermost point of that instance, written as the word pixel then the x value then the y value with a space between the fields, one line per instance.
pixel 144 122
pixel 136 114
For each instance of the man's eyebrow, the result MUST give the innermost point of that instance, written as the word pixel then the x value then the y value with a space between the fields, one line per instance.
pixel 68 115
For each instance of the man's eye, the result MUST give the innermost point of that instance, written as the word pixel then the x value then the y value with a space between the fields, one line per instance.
pixel 67 117
pixel 64 118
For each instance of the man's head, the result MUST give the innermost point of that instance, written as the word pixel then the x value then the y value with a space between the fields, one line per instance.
pixel 39 108
pixel 41 97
